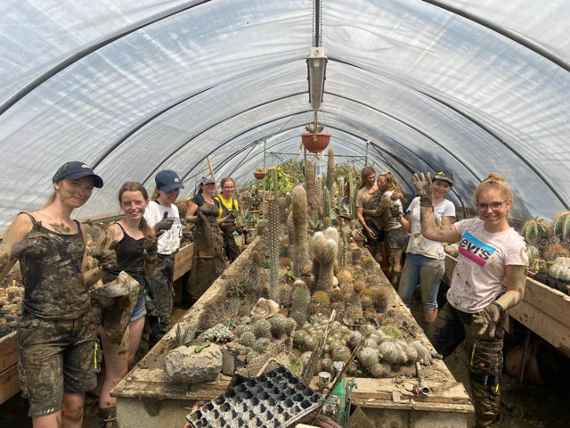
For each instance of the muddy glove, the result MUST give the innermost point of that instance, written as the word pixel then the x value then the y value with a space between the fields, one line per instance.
pixel 486 321
pixel 34 245
pixel 395 211
pixel 422 183
pixel 163 225
pixel 150 246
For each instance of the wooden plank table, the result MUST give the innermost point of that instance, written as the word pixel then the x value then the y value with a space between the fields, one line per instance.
pixel 147 398
pixel 9 385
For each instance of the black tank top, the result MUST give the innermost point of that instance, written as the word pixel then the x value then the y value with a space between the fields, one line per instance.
pixel 130 254
pixel 53 284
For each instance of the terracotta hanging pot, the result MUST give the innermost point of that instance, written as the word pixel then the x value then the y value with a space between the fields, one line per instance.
pixel 260 174
pixel 315 142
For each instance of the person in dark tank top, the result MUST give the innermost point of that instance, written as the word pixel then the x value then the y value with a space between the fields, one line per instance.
pixel 134 240
pixel 56 335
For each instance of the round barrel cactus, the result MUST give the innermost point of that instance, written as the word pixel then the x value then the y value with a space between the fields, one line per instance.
pixel 562 226
pixel 536 230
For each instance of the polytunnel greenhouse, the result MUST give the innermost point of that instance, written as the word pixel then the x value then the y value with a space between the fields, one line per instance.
pixel 230 88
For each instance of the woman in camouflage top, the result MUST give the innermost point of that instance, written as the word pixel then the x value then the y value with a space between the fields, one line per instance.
pixel 56 336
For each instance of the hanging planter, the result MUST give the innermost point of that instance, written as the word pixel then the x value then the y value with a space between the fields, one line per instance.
pixel 315 142
pixel 260 173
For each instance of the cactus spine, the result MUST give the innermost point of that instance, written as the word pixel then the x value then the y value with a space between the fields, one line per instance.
pixel 300 223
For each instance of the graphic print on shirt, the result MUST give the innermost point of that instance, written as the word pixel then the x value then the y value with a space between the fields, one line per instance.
pixel 475 249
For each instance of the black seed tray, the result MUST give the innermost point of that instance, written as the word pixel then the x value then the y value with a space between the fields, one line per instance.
pixel 274 400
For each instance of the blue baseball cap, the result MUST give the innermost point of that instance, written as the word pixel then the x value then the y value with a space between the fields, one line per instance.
pixel 74 170
pixel 168 181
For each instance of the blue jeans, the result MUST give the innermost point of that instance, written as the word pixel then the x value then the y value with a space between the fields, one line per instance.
pixel 423 272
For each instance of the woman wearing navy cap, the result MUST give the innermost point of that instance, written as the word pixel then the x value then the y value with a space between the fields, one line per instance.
pixel 56 336
pixel 162 214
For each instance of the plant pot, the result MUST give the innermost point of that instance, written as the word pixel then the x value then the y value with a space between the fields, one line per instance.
pixel 315 143
pixel 259 174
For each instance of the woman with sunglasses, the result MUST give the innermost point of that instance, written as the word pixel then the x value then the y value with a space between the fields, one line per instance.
pixel 488 280
pixel 162 214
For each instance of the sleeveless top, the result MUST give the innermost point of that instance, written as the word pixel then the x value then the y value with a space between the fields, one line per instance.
pixel 225 206
pixel 130 254
pixel 53 284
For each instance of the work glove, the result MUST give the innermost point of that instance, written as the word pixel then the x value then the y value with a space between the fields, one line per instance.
pixel 208 211
pixel 487 320
pixel 34 245
pixel 422 183
pixel 163 225
pixel 150 246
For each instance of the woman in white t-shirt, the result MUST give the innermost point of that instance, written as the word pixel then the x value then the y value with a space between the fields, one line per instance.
pixel 488 280
pixel 162 214
pixel 425 259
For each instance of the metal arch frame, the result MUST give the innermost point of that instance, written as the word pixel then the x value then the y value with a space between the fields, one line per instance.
pixel 408 125
pixel 183 145
pixel 145 121
pixel 208 128
pixel 72 59
pixel 511 35
pixel 515 152
pixel 476 122
pixel 460 199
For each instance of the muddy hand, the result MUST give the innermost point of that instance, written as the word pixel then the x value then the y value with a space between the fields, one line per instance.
pixel 422 183
pixel 33 245
pixel 164 224
pixel 395 210
pixel 488 319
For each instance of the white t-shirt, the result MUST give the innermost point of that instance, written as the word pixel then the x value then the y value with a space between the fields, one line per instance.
pixel 478 276
pixel 417 244
pixel 169 241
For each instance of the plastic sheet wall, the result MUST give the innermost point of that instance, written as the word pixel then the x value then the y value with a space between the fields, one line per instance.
pixel 134 87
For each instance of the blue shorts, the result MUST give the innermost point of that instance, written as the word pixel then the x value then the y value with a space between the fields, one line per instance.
pixel 139 310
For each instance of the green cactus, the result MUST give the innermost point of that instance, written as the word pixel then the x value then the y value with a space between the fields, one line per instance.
pixel 300 223
pixel 272 244
pixel 262 328
pixel 562 226
pixel 331 169
pixel 300 299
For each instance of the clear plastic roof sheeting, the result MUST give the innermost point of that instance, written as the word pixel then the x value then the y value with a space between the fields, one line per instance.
pixel 133 87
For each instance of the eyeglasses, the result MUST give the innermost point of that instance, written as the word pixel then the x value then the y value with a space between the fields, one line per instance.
pixel 491 205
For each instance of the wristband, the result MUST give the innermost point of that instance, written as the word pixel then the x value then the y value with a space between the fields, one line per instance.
pixel 425 201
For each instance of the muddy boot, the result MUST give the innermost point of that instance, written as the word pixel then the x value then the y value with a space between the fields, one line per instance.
pixel 108 417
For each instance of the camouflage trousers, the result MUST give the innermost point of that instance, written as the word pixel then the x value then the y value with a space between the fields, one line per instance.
pixel 485 359
pixel 55 357
pixel 160 298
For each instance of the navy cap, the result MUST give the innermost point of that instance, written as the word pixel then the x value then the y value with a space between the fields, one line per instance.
pixel 168 181
pixel 443 176
pixel 74 170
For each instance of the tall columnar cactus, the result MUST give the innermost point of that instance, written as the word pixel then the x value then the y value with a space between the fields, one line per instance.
pixel 324 247
pixel 343 245
pixel 537 231
pixel 331 169
pixel 291 237
pixel 327 211
pixel 562 226
pixel 300 223
pixel 312 189
pixel 300 300
pixel 272 243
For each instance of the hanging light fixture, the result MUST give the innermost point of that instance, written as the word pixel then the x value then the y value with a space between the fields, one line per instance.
pixel 316 75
